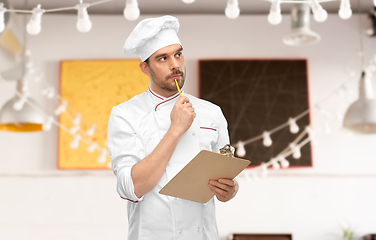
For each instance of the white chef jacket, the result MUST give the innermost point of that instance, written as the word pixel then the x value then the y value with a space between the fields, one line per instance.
pixel 135 128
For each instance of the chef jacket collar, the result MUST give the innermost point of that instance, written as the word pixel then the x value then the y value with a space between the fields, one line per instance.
pixel 158 98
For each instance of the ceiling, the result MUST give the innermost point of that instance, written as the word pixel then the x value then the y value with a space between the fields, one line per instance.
pixel 179 7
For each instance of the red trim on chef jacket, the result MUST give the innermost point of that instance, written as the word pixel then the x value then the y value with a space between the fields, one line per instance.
pixel 155 94
pixel 165 101
pixel 208 128
pixel 130 200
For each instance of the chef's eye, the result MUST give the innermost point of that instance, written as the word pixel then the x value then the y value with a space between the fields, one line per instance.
pixel 162 59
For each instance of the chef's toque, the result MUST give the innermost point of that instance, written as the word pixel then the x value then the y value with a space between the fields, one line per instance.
pixel 150 35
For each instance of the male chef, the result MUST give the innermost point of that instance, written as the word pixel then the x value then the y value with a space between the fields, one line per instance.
pixel 152 136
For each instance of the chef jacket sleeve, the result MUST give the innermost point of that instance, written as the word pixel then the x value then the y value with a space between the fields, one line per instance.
pixel 125 149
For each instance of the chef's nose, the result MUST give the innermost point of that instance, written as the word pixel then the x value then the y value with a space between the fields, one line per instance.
pixel 174 64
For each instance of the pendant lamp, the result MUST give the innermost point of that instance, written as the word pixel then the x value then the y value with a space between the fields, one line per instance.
pixel 300 33
pixel 360 117
pixel 25 119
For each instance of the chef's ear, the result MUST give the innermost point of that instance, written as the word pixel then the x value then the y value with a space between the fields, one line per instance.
pixel 144 68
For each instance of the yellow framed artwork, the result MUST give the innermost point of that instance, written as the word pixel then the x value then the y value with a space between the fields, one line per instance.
pixel 92 88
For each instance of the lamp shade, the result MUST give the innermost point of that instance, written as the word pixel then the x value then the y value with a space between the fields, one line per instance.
pixel 25 120
pixel 300 33
pixel 360 117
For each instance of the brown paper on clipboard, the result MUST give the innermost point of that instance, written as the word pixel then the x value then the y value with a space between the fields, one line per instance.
pixel 191 183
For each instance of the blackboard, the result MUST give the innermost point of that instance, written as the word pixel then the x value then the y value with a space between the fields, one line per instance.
pixel 258 95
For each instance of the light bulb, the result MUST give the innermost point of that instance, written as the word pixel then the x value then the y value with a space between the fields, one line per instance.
pixel 311 135
pixel 62 108
pixel 34 26
pixel 297 154
pixel 77 120
pixel 264 171
pixel 267 140
pixel 284 162
pixel 102 157
pixel 240 151
pixel 188 1
pixel 2 13
pixel 92 147
pixel 131 11
pixel 47 125
pixel 319 13
pixel 76 141
pixel 275 16
pixel 294 128
pixel 91 131
pixel 83 23
pixel 295 150
pixel 275 164
pixel 345 12
pixel 232 10
pixel 74 129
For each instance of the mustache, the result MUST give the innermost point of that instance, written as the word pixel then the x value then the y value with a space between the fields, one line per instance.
pixel 175 72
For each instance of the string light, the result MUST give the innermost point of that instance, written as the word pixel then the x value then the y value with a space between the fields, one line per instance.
pixel 232 10
pixel 49 92
pixel 34 26
pixel 284 163
pixel 83 23
pixel 76 141
pixel 74 129
pixel 294 128
pixel 319 13
pixel 18 105
pixel 131 11
pixel 295 151
pixel 345 11
pixel 311 135
pixel 102 157
pixel 77 120
pixel 275 16
pixel 264 170
pixel 92 147
pixel 2 19
pixel 275 164
pixel 48 124
pixel 91 131
pixel 267 140
pixel 62 108
pixel 240 151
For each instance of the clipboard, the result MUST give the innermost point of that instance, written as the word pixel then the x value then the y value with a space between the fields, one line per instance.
pixel 191 183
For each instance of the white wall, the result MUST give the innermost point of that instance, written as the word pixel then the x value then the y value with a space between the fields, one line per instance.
pixel 39 202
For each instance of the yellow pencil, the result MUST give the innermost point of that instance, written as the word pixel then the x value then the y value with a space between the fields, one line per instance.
pixel 177 85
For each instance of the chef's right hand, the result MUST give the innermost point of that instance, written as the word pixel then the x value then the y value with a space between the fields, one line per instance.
pixel 182 115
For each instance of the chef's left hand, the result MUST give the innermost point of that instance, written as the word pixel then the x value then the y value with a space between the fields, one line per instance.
pixel 224 189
